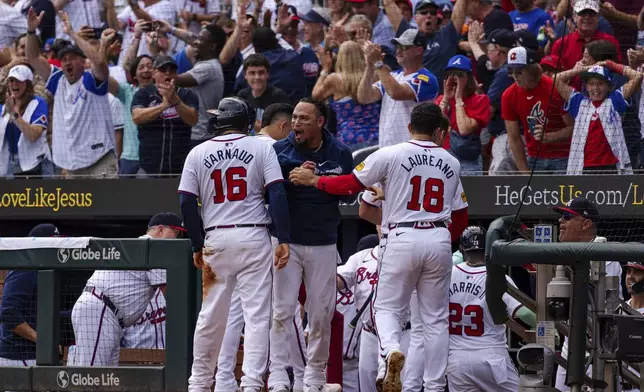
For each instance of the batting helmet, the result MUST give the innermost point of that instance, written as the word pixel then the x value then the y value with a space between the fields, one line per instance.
pixel 473 238
pixel 233 113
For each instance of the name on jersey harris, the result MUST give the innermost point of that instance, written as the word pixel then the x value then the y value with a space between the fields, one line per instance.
pixel 227 154
pixel 427 160
pixel 467 287
pixel 111 253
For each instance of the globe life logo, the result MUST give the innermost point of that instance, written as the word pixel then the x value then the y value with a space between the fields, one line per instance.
pixel 77 379
pixel 110 253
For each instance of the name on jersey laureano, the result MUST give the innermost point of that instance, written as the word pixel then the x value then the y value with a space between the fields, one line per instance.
pixel 40 198
pixel 63 379
pixel 508 195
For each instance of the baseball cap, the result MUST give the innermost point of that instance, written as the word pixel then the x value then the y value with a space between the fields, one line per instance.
pixel 163 60
pixel 635 264
pixel 552 61
pixel 460 63
pixel 408 2
pixel 167 219
pixel 501 37
pixel 369 241
pixel 48 44
pixel 520 57
pixel 422 4
pixel 526 39
pixel 411 37
pixel 21 73
pixel 497 19
pixel 579 206
pixel 314 17
pixel 586 5
pixel 44 230
pixel 70 49
pixel 597 71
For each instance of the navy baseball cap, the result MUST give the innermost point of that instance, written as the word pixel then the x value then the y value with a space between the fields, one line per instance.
pixel 163 60
pixel 501 37
pixel 44 230
pixel 70 49
pixel 579 206
pixel 422 4
pixel 314 17
pixel 459 63
pixel 526 39
pixel 368 242
pixel 167 219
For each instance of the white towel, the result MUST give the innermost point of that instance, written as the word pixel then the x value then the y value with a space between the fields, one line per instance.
pixel 18 243
pixel 612 124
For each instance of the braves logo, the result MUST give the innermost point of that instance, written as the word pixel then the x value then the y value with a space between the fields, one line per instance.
pixel 513 56
pixel 345 297
pixel 538 112
pixel 155 316
pixel 363 274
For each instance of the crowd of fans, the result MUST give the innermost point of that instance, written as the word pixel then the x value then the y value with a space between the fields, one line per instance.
pixel 107 88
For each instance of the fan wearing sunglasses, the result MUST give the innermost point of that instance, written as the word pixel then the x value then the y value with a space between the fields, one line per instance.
pixel 578 223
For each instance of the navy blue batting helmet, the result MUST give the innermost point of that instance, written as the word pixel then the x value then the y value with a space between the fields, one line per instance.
pixel 233 113
pixel 473 238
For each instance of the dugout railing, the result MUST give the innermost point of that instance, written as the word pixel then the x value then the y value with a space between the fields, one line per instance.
pixel 175 256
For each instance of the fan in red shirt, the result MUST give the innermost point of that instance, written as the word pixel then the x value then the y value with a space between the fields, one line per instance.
pixel 571 47
pixel 468 113
pixel 533 95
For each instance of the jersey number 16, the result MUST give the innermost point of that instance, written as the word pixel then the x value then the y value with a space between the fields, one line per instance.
pixel 433 195
pixel 236 188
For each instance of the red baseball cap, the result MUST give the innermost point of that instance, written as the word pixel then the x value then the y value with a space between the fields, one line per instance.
pixel 552 61
pixel 408 2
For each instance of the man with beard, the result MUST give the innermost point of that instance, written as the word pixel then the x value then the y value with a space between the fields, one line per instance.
pixel 82 131
pixel 206 77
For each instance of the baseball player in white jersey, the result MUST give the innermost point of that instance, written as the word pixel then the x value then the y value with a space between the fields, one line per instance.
pixel 423 189
pixel 360 273
pixel 345 304
pixel 230 174
pixel 478 350
pixel 149 330
pixel 113 300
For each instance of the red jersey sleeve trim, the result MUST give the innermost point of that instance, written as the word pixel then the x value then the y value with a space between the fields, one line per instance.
pixel 347 184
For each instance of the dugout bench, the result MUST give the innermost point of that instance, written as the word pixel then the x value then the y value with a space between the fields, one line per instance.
pixel 175 256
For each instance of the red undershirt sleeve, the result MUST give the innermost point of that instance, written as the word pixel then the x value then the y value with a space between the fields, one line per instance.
pixel 346 184
pixel 459 223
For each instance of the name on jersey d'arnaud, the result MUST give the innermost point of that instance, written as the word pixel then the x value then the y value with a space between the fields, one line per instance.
pixel 210 160
pixel 428 160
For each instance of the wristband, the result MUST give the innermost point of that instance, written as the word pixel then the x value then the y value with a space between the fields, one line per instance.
pixel 617 68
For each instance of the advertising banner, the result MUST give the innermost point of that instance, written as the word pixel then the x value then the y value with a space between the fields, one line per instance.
pixel 488 197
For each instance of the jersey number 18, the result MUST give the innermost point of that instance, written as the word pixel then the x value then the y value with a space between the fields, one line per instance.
pixel 433 198
pixel 236 188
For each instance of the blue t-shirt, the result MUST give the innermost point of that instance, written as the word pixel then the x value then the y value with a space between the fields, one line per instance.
pixel 531 21
pixel 183 62
pixel 501 81
pixel 39 117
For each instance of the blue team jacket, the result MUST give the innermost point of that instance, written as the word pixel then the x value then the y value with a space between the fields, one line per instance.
pixel 18 306
pixel 314 214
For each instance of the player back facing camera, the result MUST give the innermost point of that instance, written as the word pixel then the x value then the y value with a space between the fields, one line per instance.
pixel 232 115
pixel 472 245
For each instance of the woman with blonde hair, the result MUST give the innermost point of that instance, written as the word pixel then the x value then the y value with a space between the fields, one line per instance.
pixel 357 124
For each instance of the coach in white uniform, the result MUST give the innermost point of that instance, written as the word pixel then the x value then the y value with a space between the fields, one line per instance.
pixel 82 131
pixel 422 184
pixel 149 330
pixel 113 300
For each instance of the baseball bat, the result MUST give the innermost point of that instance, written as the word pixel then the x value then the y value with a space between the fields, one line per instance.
pixel 354 321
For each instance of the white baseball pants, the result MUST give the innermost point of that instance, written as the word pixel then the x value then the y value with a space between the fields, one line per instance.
pixel 412 374
pixel 420 259
pixel 241 258
pixel 225 378
pixel 370 360
pixel 481 370
pixel 316 266
pixel 351 375
pixel 97 333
